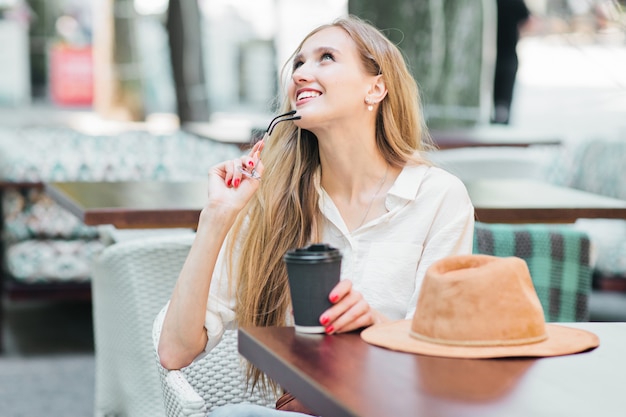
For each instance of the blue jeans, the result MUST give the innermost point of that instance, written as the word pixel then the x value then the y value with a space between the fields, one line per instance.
pixel 250 410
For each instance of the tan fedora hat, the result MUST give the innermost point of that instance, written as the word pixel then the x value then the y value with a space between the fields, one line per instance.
pixel 479 306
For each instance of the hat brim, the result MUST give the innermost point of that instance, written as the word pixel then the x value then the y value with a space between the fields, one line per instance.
pixel 562 340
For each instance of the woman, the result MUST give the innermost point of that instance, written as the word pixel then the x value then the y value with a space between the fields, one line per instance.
pixel 349 172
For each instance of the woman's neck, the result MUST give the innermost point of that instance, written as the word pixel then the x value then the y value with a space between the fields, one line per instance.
pixel 356 177
pixel 350 165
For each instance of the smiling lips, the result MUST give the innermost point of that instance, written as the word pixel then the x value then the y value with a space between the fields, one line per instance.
pixel 307 94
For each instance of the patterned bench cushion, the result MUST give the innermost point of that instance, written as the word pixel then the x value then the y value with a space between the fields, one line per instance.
pixel 46 243
pixel 598 166
pixel 33 215
pixel 594 165
pixel 34 260
pixel 60 154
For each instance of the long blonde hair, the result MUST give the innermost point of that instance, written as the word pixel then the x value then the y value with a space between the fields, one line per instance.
pixel 283 213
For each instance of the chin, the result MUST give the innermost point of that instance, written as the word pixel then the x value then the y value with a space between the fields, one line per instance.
pixel 305 126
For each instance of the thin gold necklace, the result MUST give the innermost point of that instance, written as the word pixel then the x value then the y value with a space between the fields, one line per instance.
pixel 380 187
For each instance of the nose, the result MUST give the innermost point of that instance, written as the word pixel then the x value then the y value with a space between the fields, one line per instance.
pixel 301 75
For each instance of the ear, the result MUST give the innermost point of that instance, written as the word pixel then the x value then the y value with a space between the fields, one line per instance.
pixel 378 90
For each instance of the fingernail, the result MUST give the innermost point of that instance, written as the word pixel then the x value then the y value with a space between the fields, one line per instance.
pixel 324 320
pixel 237 181
pixel 229 183
pixel 251 163
pixel 329 329
pixel 334 298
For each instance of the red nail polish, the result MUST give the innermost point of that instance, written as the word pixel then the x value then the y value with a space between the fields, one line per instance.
pixel 251 163
pixel 334 298
pixel 329 329
pixel 237 181
pixel 324 320
pixel 229 183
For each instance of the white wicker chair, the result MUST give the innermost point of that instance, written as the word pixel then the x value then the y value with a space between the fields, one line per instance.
pixel 132 281
pixel 214 380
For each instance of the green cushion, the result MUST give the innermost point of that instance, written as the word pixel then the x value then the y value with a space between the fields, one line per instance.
pixel 558 260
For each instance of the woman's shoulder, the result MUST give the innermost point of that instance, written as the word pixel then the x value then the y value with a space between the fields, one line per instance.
pixel 419 181
pixel 440 174
pixel 432 175
pixel 444 182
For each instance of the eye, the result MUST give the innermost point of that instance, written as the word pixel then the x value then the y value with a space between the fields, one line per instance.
pixel 326 56
pixel 297 64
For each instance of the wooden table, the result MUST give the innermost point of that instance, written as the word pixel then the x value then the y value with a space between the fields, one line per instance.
pixel 134 204
pixel 531 201
pixel 341 375
pixel 178 204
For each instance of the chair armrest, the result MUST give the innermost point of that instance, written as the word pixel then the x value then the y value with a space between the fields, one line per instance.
pixel 180 397
pixel 211 381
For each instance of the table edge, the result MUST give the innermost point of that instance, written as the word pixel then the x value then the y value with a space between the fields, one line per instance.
pixel 320 401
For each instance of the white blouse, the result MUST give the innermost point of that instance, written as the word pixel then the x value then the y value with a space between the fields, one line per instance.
pixel 429 216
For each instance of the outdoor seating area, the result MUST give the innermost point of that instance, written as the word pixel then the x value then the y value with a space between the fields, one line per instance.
pixel 47 252
pixel 593 164
pixel 601 170
pixel 130 281
pixel 123 109
pixel 133 281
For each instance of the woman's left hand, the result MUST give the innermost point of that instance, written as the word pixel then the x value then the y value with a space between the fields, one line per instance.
pixel 350 310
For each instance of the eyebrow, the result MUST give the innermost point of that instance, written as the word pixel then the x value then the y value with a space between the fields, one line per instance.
pixel 317 51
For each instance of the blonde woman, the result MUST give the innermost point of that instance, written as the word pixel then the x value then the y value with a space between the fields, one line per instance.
pixel 350 171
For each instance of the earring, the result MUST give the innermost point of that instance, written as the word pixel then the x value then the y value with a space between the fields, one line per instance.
pixel 370 107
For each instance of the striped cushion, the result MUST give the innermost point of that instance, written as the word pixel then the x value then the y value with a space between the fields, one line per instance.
pixel 558 260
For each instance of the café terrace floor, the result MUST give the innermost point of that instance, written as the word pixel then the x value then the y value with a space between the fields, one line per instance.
pixel 571 89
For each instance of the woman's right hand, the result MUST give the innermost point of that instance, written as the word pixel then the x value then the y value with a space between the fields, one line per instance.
pixel 232 183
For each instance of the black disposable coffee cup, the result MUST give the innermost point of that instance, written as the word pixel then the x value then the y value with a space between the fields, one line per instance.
pixel 313 271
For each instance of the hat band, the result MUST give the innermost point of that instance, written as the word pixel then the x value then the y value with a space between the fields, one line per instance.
pixel 507 342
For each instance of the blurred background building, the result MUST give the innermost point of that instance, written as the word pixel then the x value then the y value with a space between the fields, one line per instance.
pixel 115 56
pixel 71 53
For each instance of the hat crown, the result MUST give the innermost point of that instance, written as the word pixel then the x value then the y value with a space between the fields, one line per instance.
pixel 479 300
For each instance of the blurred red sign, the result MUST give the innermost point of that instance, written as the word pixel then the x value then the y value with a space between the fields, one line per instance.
pixel 71 75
